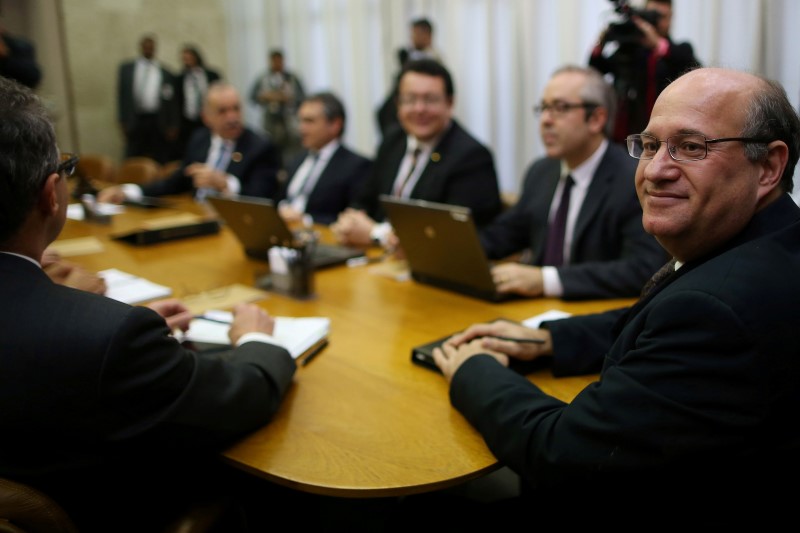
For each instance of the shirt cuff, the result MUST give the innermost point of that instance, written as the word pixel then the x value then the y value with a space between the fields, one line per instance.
pixel 380 233
pixel 551 282
pixel 132 191
pixel 234 185
pixel 257 336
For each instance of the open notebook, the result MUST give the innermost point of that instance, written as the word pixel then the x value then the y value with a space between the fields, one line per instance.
pixel 303 337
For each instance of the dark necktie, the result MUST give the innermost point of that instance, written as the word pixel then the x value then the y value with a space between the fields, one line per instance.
pixel 557 229
pixel 398 191
pixel 658 277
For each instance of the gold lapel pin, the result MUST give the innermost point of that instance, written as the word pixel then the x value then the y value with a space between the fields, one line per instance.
pixel 435 157
pixel 236 157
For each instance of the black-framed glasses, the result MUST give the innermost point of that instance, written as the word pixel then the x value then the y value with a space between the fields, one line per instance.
pixel 560 107
pixel 683 147
pixel 68 163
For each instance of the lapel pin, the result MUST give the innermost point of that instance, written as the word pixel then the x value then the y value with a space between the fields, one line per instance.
pixel 236 157
pixel 435 157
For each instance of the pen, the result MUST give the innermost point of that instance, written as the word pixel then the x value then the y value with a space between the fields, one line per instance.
pixel 215 320
pixel 515 339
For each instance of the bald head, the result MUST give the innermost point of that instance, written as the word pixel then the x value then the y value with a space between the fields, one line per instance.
pixel 222 112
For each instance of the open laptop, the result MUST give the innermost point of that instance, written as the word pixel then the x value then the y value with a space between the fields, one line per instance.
pixel 259 227
pixel 442 248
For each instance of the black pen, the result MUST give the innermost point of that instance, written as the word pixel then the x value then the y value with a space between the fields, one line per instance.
pixel 515 339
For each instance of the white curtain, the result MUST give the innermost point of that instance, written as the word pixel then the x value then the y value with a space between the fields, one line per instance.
pixel 500 53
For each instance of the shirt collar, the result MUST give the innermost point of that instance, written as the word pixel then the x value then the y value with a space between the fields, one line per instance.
pixel 583 173
pixel 326 152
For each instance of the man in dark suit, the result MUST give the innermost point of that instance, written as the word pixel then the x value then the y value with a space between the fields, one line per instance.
pixel 431 158
pixel 324 179
pixel 103 409
pixel 18 59
pixel 602 249
pixel 146 107
pixel 694 414
pixel 644 60
pixel 191 86
pixel 227 157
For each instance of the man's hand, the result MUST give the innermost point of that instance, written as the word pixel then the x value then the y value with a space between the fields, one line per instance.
pixel 249 318
pixel 111 195
pixel 521 279
pixel 72 275
pixel 450 357
pixel 205 176
pixel 174 312
pixel 353 228
pixel 488 334
pixel 650 35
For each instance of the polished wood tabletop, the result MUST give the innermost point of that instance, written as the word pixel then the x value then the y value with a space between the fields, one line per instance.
pixel 361 420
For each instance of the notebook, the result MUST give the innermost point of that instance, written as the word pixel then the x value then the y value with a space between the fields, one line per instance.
pixel 259 227
pixel 441 246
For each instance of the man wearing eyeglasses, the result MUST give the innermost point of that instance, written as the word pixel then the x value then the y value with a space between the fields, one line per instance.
pixel 694 415
pixel 431 158
pixel 577 219
pixel 103 409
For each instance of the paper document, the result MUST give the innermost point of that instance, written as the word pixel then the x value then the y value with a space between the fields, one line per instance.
pixel 75 211
pixel 535 321
pixel 296 334
pixel 131 289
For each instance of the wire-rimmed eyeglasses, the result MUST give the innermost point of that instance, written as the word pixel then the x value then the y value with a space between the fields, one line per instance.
pixel 683 147
pixel 68 163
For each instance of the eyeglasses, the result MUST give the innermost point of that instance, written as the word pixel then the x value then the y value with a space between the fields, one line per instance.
pixel 559 108
pixel 428 100
pixel 684 147
pixel 68 163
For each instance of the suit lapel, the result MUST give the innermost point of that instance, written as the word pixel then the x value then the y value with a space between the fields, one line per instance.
pixel 599 189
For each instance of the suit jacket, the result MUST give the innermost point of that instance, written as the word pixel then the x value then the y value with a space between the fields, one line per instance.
pixel 460 172
pixel 20 64
pixel 337 186
pixel 611 254
pixel 180 96
pixel 698 393
pixel 94 389
pixel 168 112
pixel 256 166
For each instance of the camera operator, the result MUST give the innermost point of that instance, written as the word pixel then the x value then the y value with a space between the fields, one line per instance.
pixel 644 61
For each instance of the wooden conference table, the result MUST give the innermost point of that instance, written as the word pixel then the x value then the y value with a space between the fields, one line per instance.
pixel 360 419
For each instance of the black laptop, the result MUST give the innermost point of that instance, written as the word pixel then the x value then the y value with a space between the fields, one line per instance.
pixel 442 247
pixel 259 227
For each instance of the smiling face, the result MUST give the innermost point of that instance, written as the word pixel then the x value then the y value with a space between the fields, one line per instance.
pixel 423 107
pixel 692 207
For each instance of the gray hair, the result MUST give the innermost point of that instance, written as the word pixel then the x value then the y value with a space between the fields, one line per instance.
pixel 28 154
pixel 596 91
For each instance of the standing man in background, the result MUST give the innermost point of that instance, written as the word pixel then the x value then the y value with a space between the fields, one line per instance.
pixel 326 177
pixel 644 61
pixel 18 59
pixel 146 107
pixel 190 92
pixel 279 92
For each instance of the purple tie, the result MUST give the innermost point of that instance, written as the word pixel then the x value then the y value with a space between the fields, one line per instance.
pixel 554 244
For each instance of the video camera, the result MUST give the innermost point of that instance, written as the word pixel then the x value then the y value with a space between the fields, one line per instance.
pixel 625 31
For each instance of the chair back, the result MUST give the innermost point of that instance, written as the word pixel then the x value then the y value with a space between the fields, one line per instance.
pixel 139 170
pixel 95 167
pixel 24 509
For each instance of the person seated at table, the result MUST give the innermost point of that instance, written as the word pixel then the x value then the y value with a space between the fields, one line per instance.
pixel 577 220
pixel 430 158
pixel 225 157
pixel 693 416
pixel 103 409
pixel 324 179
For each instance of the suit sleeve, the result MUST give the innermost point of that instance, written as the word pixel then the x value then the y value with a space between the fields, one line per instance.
pixel 693 363
pixel 473 183
pixel 153 387
pixel 261 176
